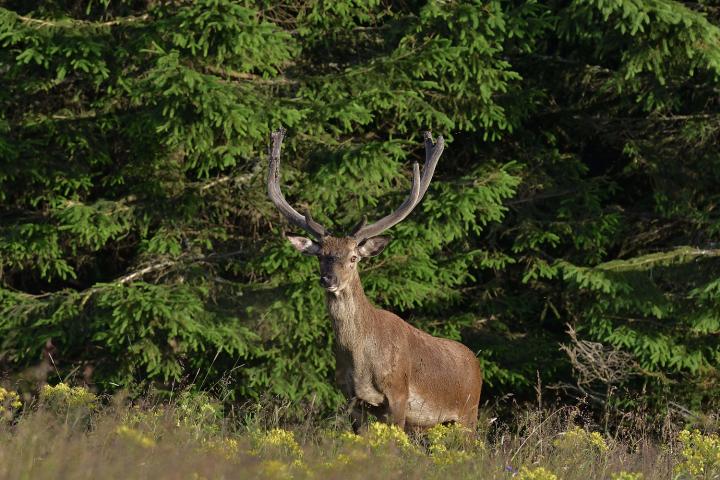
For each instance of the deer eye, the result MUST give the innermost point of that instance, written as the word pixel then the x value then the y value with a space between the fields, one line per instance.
pixel 354 258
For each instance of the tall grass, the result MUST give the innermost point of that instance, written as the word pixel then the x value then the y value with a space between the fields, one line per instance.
pixel 69 434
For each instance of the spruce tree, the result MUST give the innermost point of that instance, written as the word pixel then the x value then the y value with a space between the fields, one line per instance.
pixel 579 185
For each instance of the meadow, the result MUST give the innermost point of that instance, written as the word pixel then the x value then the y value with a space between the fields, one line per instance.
pixel 70 433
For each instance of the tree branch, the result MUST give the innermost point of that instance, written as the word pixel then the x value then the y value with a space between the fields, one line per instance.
pixel 133 276
pixel 143 271
pixel 247 77
pixel 72 22
pixel 239 179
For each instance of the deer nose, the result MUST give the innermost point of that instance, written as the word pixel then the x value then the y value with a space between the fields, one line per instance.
pixel 327 280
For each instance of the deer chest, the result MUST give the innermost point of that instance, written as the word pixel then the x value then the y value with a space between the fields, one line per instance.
pixel 356 378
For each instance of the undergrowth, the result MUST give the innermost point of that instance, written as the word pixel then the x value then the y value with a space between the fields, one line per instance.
pixel 69 433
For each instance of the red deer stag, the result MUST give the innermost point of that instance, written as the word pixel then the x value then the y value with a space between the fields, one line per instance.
pixel 384 365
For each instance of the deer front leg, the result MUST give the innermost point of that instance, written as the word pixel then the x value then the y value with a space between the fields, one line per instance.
pixel 358 417
pixel 359 412
pixel 397 407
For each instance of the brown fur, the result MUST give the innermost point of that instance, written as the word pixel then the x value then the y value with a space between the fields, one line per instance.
pixel 386 366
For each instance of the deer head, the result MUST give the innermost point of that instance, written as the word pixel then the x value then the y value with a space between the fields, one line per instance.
pixel 339 256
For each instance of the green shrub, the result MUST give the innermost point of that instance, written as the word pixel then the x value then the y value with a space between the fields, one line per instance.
pixel 9 404
pixel 700 455
pixel 65 400
pixel 537 473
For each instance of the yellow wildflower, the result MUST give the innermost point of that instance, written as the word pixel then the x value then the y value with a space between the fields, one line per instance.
pixel 10 397
pixel 627 476
pixel 351 439
pixel 701 455
pixel 198 412
pixel 62 397
pixel 9 403
pixel 135 436
pixel 579 439
pixel 441 455
pixel 538 473
pixel 276 469
pixel 452 443
pixel 340 459
pixel 377 437
pixel 227 447
pixel 381 434
pixel 279 440
pixel 352 455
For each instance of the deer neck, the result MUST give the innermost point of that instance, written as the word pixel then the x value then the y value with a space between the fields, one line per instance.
pixel 350 312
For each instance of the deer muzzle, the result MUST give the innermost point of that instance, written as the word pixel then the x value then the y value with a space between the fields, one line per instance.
pixel 329 282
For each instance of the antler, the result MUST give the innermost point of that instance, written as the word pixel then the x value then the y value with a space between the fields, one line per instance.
pixel 419 187
pixel 433 150
pixel 305 222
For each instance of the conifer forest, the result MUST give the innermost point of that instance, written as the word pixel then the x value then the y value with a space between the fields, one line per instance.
pixel 570 236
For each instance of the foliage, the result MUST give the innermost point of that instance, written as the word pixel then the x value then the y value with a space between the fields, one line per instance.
pixel 578 446
pixel 135 437
pixel 579 439
pixel 380 436
pixel 62 396
pixel 199 412
pixel 113 445
pixel 538 473
pixel 277 442
pixel 74 402
pixel 452 443
pixel 9 403
pixel 627 476
pixel 701 455
pixel 579 186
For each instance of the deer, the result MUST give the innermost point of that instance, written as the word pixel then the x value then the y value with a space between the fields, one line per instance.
pixel 383 365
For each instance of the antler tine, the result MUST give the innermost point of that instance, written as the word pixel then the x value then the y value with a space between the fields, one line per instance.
pixel 432 155
pixel 433 151
pixel 359 226
pixel 314 226
pixel 273 184
pixel 398 215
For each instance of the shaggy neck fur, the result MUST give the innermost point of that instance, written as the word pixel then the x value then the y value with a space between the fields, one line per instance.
pixel 349 309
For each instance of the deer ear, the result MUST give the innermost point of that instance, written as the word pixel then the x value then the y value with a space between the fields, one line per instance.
pixel 304 245
pixel 372 246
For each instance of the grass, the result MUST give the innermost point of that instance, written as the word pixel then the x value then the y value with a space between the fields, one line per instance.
pixel 67 433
